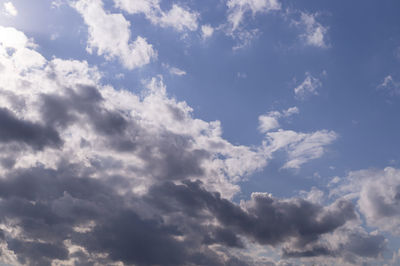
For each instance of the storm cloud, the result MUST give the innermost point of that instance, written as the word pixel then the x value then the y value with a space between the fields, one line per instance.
pixel 21 131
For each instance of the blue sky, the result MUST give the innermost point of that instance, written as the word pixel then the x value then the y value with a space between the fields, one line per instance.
pixel 296 100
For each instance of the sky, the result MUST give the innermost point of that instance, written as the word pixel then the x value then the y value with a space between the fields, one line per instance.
pixel 214 132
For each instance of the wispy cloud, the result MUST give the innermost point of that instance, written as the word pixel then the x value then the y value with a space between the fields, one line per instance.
pixel 238 8
pixel 308 87
pixel 177 17
pixel 390 85
pixel 300 147
pixel 174 70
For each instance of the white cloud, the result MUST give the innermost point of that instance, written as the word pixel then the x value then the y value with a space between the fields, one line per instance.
pixel 237 11
pixel 378 196
pixel 269 121
pixel 16 46
pixel 300 147
pixel 138 6
pixel 58 3
pixel 244 37
pixel 291 111
pixel 177 17
pixel 10 9
pixel 314 195
pixel 308 87
pixel 238 8
pixel 391 85
pixel 174 70
pixel 206 31
pixel 109 34
pixel 314 32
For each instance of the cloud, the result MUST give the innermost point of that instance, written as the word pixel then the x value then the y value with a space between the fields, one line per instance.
pixel 138 6
pixel 238 8
pixel 378 196
pixel 174 70
pixel 390 85
pixel 10 9
pixel 300 147
pixel 264 218
pixel 236 14
pixel 105 176
pixel 344 247
pixel 177 17
pixel 269 121
pixel 308 87
pixel 35 135
pixel 206 31
pixel 291 111
pixel 315 32
pixel 109 34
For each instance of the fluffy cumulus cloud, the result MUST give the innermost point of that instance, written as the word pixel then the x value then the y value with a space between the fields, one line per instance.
pixel 177 17
pixel 10 9
pixel 270 120
pixel 238 8
pixel 206 31
pixel 110 35
pixel 91 175
pixel 378 196
pixel 308 87
pixel 314 32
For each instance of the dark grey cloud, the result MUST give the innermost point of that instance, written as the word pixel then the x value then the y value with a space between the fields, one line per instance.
pixel 314 252
pixel 166 226
pixel 128 238
pixel 35 135
pixel 47 205
pixel 365 245
pixel 223 236
pixel 61 110
pixel 356 244
pixel 167 155
pixel 43 252
pixel 267 220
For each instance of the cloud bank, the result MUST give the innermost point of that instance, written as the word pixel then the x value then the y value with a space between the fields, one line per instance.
pixel 94 175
